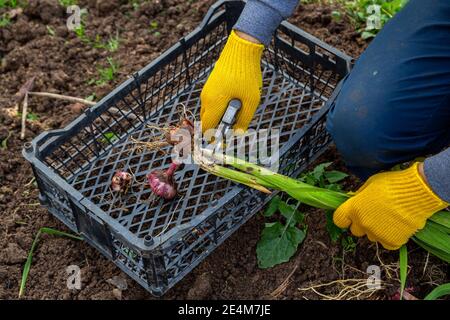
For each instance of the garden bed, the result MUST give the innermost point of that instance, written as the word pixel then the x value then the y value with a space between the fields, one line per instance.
pixel 65 63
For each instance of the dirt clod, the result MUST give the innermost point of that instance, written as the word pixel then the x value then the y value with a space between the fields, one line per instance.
pixel 119 282
pixel 13 254
pixel 47 10
pixel 201 288
pixel 117 293
pixel 106 6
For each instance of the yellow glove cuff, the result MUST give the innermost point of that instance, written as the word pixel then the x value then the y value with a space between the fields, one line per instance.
pixel 414 195
pixel 238 50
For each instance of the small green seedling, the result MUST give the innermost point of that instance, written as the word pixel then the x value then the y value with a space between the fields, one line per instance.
pixel 109 137
pixel 27 266
pixel 336 15
pixel 50 31
pixel 4 142
pixel 369 16
pixel 106 74
pixel 67 3
pixel 348 243
pixel 80 31
pixel 279 241
pixel 30 116
pixel 111 45
pixel 154 25
pixel 91 97
pixel 9 4
pixel 319 177
pixel 322 178
pixel 135 3
pixel 4 21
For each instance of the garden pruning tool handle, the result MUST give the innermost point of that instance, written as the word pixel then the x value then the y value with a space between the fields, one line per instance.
pixel 229 117
pixel 226 123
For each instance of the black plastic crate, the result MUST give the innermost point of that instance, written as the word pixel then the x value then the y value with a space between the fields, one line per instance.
pixel 158 243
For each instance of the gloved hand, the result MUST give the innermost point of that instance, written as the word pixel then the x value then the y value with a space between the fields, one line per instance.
pixel 390 207
pixel 237 74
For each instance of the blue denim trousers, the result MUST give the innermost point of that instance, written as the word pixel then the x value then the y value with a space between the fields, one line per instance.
pixel 395 104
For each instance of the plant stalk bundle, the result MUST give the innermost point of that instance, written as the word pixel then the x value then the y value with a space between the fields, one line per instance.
pixel 434 237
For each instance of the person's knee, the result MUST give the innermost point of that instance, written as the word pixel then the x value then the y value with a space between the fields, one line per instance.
pixel 355 134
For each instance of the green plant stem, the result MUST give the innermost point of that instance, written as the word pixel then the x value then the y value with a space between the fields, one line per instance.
pixel 439 291
pixel 310 195
pixel 403 259
pixel 27 266
pixel 236 176
pixel 433 238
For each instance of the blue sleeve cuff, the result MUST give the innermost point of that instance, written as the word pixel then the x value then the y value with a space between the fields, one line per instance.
pixel 437 172
pixel 260 18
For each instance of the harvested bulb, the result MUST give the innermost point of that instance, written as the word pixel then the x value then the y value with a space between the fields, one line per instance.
pixel 121 181
pixel 162 183
pixel 185 127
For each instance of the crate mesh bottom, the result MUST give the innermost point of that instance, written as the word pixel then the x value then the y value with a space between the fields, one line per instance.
pixel 285 105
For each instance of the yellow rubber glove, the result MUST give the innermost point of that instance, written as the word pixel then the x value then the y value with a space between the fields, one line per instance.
pixel 236 75
pixel 390 207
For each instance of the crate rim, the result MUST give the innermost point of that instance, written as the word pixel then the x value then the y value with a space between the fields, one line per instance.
pixel 31 150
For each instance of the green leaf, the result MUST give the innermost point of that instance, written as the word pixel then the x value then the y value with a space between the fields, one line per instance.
pixel 109 137
pixel 335 176
pixel 439 291
pixel 445 256
pixel 367 35
pixel 272 207
pixel 334 187
pixel 336 15
pixel 32 116
pixel 309 179
pixel 439 226
pixel 403 260
pixel 153 24
pixel 348 243
pixel 90 97
pixel 27 266
pixel 278 244
pixel 333 230
pixel 442 218
pixel 55 232
pixel 434 237
pixel 292 215
pixel 320 169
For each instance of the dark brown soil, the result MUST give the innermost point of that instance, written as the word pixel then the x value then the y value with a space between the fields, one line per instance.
pixel 62 63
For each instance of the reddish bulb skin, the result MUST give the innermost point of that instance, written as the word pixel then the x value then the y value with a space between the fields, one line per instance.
pixel 172 136
pixel 121 181
pixel 396 296
pixel 188 125
pixel 161 182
